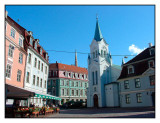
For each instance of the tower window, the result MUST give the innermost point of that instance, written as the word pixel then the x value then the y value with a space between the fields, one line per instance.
pixel 93 54
pixel 101 53
pixel 93 77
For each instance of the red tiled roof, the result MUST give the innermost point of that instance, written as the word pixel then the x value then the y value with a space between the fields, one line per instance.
pixel 20 29
pixel 16 25
pixel 65 67
pixel 139 67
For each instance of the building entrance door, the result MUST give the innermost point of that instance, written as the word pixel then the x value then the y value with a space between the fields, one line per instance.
pixel 95 100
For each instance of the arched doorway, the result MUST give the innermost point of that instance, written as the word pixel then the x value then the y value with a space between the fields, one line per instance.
pixel 95 100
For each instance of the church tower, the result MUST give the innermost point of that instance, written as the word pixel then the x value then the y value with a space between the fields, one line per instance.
pixel 99 69
pixel 76 62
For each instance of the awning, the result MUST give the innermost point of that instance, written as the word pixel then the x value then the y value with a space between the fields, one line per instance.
pixel 14 92
pixel 47 96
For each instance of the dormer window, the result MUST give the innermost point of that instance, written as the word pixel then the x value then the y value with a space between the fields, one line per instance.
pixel 130 69
pixel 152 51
pixel 151 63
pixel 31 41
pixel 41 51
pixel 46 56
pixel 35 46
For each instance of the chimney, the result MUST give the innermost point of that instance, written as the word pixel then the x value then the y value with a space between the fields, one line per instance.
pixel 6 14
pixel 150 45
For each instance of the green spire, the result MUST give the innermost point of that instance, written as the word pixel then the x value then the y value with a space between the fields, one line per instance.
pixel 98 35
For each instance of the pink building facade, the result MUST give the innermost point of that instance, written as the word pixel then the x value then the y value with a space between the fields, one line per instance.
pixel 16 54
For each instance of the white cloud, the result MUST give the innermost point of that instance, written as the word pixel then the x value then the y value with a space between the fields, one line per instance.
pixel 134 49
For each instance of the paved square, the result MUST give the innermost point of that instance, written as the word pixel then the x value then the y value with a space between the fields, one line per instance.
pixel 104 113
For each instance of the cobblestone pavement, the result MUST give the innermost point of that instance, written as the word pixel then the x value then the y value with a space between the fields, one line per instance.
pixel 148 112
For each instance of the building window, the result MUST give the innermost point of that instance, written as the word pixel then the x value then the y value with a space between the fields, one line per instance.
pixel 96 53
pixel 37 81
pixel 76 84
pixel 19 72
pixel 45 84
pixel 46 70
pixel 41 83
pixel 41 51
pixel 85 93
pixel 35 62
pixel 152 80
pixel 128 101
pixel 72 84
pixel 39 65
pixel 86 85
pixel 151 63
pixel 34 79
pixel 8 71
pixel 20 58
pixel 29 58
pixel 139 98
pixel 93 55
pixel 152 51
pixel 96 77
pixel 31 41
pixel 42 67
pixel 54 91
pixel 72 92
pixel 11 49
pixel 76 92
pixel 67 83
pixel 46 56
pixel 62 82
pixel 93 77
pixel 35 46
pixel 102 53
pixel 28 74
pixel 81 84
pixel 62 92
pixel 54 82
pixel 130 70
pixel 67 92
pixel 81 92
pixel 13 32
pixel 137 83
pixel 126 84
pixel 20 42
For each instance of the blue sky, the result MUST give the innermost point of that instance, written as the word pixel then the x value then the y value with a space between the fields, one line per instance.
pixel 66 28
